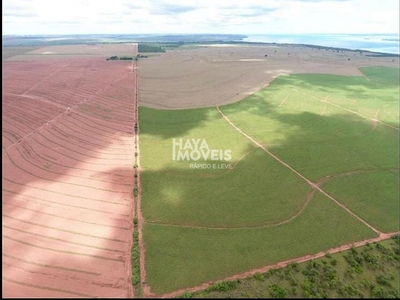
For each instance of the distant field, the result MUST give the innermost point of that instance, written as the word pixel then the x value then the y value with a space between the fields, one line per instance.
pixel 71 51
pixel 204 75
pixel 326 127
pixel 7 52
pixel 389 76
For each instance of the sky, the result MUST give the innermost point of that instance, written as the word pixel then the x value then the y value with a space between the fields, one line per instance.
pixel 27 17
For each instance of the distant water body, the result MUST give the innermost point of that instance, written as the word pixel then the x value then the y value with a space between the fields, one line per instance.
pixel 386 43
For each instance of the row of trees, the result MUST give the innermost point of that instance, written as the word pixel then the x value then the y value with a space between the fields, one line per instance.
pixel 115 57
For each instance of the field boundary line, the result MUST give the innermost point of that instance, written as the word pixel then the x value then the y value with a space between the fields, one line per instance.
pixel 314 185
pixel 144 289
pixel 281 264
pixel 142 263
pixel 131 292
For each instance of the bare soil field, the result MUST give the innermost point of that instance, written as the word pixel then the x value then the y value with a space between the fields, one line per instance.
pixel 221 74
pixel 7 52
pixel 67 151
pixel 68 51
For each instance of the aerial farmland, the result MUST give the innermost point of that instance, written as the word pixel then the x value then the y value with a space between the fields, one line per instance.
pixel 313 166
pixel 67 146
pixel 199 169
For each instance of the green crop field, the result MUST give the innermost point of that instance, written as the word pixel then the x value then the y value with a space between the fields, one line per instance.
pixel 368 271
pixel 374 196
pixel 385 75
pixel 178 257
pixel 304 130
pixel 206 223
pixel 254 193
pixel 213 197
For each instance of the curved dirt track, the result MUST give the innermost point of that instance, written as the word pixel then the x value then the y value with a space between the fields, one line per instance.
pixel 313 185
pixel 67 176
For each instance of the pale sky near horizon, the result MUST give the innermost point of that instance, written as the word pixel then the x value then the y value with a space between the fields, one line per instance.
pixel 195 16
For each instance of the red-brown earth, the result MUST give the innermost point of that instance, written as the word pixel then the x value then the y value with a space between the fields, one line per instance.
pixel 67 176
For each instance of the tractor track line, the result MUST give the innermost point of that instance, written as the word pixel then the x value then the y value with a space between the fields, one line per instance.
pixel 314 185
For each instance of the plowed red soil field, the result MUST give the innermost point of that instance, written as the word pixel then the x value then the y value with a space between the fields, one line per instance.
pixel 67 150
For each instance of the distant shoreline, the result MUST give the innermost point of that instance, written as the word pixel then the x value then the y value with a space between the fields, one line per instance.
pixel 380 43
pixel 171 39
pixel 373 53
pixel 377 53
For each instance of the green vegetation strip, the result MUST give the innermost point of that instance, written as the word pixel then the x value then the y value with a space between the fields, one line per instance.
pixel 135 259
pixel 158 47
pixel 135 254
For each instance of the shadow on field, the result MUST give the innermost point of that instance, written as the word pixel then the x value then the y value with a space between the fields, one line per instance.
pixel 256 195
pixel 175 123
pixel 352 87
pixel 66 225
pixel 67 200
pixel 313 144
pixel 213 197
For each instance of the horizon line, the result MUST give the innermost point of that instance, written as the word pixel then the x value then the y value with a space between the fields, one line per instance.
pixel 232 34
